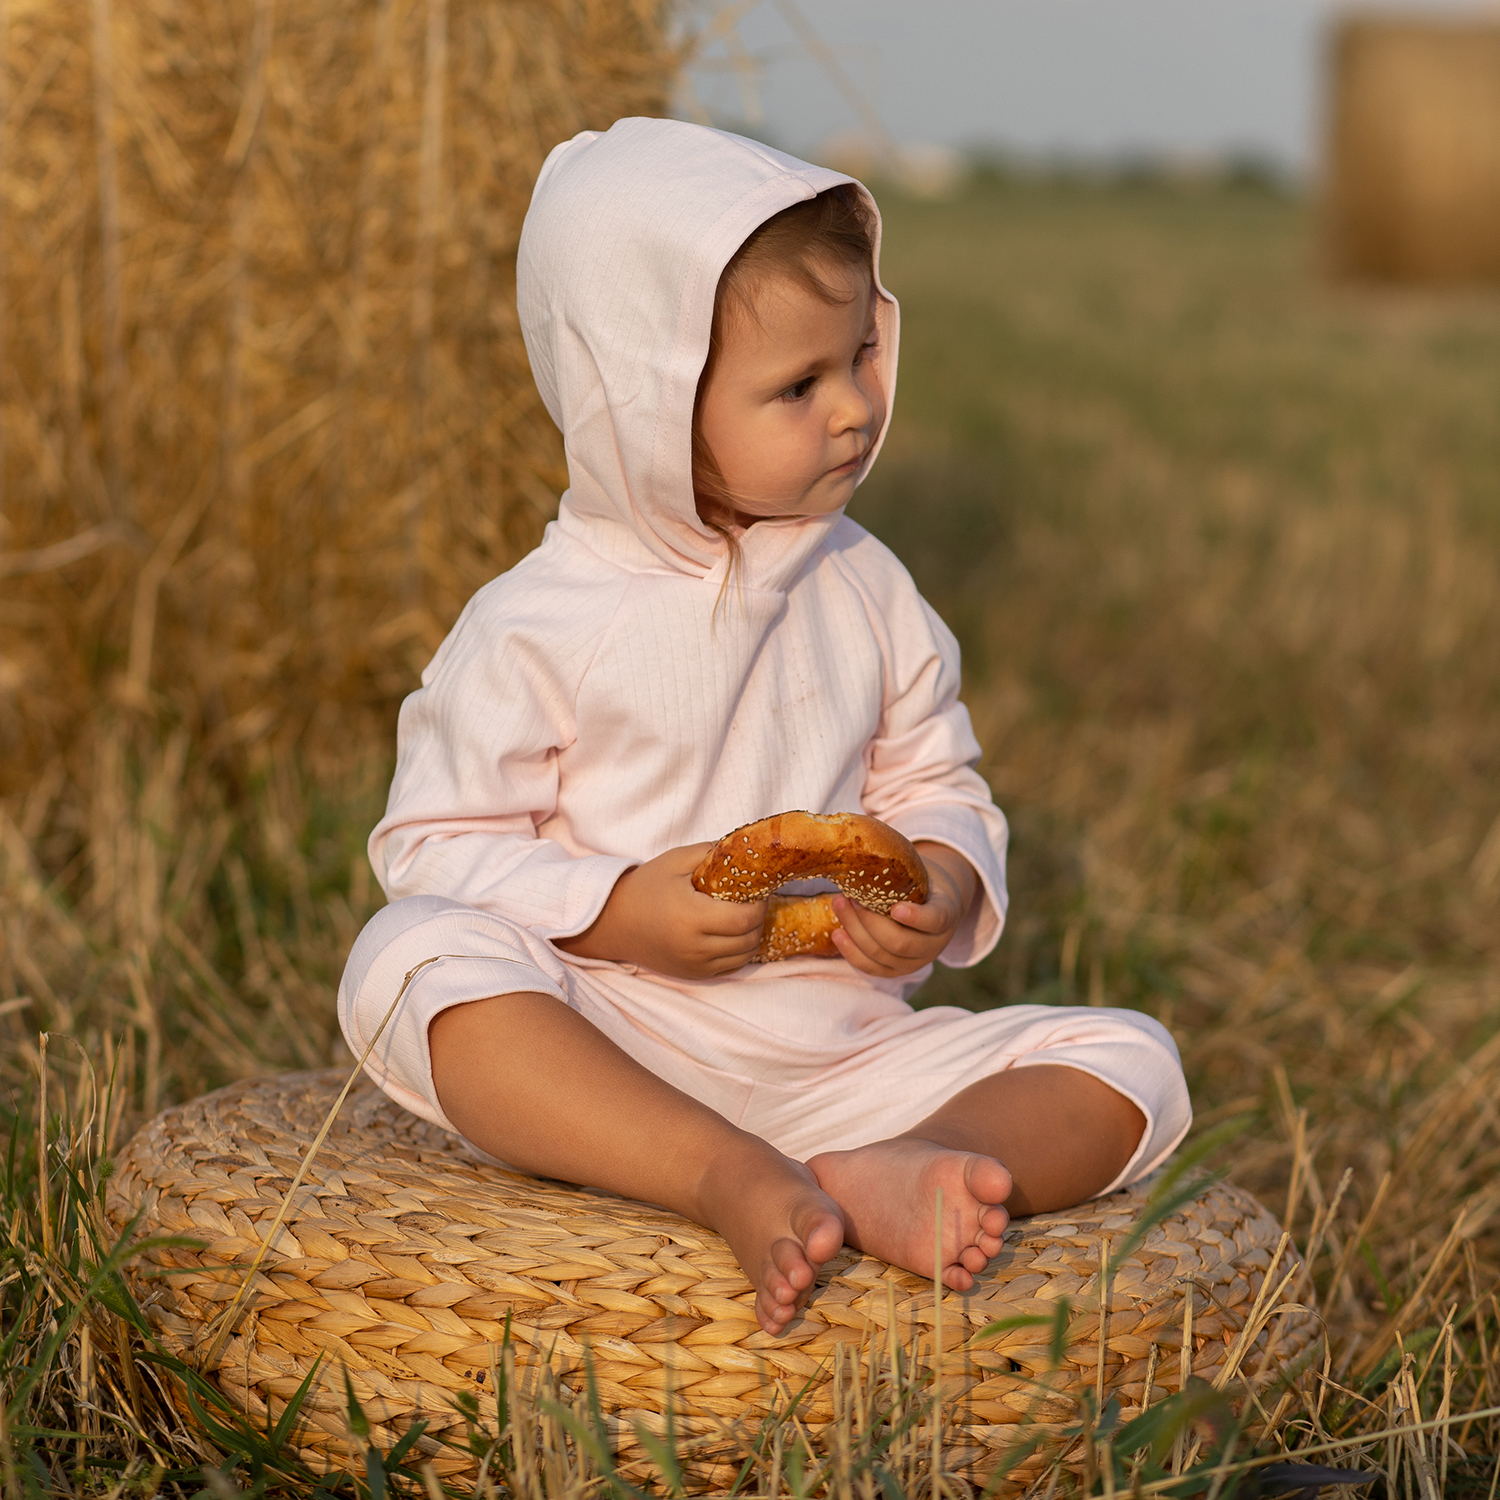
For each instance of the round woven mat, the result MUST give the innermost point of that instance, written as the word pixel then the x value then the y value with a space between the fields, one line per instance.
pixel 402 1258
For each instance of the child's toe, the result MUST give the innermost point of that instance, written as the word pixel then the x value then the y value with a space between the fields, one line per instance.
pixel 823 1237
pixel 795 1273
pixel 986 1179
pixel 993 1221
pixel 775 1288
pixel 776 1300
pixel 972 1258
pixel 957 1279
pixel 772 1316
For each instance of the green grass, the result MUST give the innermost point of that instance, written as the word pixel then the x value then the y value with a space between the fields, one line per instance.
pixel 1222 546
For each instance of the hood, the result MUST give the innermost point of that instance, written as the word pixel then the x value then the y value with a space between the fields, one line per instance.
pixel 620 256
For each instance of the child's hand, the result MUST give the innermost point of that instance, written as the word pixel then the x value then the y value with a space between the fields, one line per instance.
pixel 656 919
pixel 912 935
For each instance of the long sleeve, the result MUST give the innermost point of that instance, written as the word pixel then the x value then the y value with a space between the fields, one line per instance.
pixel 920 767
pixel 476 770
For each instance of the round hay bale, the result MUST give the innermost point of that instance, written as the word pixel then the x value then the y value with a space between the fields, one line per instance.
pixel 266 417
pixel 403 1259
pixel 1413 180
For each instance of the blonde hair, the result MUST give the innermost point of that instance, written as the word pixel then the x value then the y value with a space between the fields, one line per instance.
pixel 835 228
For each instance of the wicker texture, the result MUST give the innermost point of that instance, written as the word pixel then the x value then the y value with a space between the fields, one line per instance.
pixel 402 1257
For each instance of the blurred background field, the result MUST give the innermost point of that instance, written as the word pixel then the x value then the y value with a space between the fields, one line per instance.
pixel 1222 547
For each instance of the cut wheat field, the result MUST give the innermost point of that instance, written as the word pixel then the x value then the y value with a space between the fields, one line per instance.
pixel 1222 546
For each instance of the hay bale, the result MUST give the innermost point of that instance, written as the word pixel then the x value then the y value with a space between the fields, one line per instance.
pixel 404 1261
pixel 266 414
pixel 1413 190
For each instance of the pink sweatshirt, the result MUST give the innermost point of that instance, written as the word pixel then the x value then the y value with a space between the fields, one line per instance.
pixel 600 702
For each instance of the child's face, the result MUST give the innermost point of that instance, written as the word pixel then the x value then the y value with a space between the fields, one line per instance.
pixel 793 405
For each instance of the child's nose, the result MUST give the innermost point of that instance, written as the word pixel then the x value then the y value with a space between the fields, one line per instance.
pixel 854 409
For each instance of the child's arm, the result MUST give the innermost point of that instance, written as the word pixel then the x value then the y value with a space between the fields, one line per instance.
pixel 478 752
pixel 655 918
pixel 912 935
pixel 921 775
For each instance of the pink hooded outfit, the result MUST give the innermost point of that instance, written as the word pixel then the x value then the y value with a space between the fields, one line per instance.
pixel 611 697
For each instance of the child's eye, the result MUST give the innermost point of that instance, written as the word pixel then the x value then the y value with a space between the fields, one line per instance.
pixel 866 349
pixel 799 391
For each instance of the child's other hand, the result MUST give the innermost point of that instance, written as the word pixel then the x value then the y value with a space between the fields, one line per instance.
pixel 656 919
pixel 912 935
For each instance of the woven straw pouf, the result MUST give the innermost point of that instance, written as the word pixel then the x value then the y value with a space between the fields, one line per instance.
pixel 402 1258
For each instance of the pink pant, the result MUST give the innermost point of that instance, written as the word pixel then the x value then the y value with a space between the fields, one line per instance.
pixel 808 1054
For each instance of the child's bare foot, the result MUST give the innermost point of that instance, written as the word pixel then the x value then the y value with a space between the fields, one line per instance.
pixel 888 1194
pixel 780 1224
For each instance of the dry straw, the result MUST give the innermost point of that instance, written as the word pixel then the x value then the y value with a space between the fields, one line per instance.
pixel 1414 149
pixel 404 1261
pixel 265 407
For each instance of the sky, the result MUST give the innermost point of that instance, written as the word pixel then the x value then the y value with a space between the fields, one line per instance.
pixel 1184 79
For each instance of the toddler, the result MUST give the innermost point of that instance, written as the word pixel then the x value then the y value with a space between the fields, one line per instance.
pixel 704 638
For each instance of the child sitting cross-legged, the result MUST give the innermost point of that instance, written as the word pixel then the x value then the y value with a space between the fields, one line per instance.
pixel 702 639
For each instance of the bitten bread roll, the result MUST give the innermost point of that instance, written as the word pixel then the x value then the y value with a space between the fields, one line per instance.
pixel 797 927
pixel 866 859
